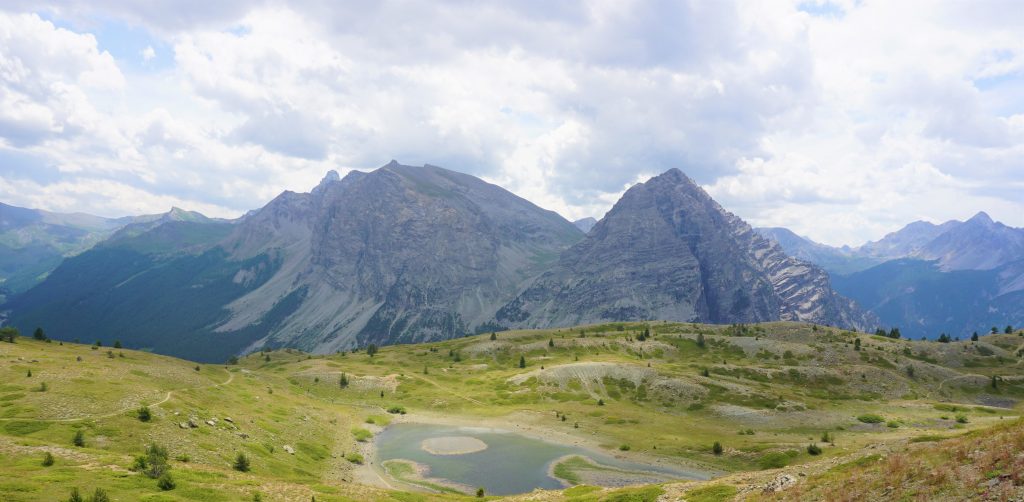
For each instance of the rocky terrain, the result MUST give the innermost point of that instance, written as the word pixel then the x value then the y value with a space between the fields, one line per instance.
pixel 666 250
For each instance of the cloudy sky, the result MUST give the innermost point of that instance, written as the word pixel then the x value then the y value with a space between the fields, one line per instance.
pixel 840 120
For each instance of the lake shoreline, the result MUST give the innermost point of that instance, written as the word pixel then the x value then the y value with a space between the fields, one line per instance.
pixel 610 469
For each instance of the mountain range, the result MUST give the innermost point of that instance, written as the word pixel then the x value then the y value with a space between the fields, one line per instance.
pixel 957 277
pixel 405 254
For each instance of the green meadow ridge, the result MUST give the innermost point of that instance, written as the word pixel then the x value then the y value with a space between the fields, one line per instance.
pixel 756 405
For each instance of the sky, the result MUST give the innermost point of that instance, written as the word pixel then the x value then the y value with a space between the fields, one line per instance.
pixel 842 120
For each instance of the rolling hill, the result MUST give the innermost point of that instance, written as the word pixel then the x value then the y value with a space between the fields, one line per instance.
pixel 764 392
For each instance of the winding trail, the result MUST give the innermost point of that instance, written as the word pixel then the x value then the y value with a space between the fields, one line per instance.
pixel 170 393
pixel 456 394
pixel 939 388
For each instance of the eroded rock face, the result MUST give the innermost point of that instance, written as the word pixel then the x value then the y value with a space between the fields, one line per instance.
pixel 668 251
pixel 400 254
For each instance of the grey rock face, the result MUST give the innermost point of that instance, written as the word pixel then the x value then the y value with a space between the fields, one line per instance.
pixel 399 254
pixel 668 251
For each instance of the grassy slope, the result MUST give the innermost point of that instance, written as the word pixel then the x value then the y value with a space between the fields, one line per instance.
pixel 668 410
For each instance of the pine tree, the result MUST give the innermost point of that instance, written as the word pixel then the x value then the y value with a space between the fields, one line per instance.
pixel 117 344
pixel 522 361
pixel 700 340
pixel 717 448
pixel 75 496
pixel 856 344
pixel 551 342
pixel 47 459
pixel 38 334
pixel 241 463
pixel 371 350
pixel 974 337
pixel 78 439
pixel 144 414
pixel 343 381
pixel 99 496
pixel 494 336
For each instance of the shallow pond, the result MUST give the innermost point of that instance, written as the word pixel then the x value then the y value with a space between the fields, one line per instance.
pixel 508 463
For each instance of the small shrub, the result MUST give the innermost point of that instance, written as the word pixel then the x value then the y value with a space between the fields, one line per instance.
pixel 144 414
pixel 893 424
pixel 79 439
pixel 396 410
pixel 480 492
pixel 166 482
pixel 813 449
pixel 871 418
pixel 47 459
pixel 241 463
pixel 961 419
pixel 75 496
pixel 99 496
pixel 624 447
pixel 354 457
pixel 717 448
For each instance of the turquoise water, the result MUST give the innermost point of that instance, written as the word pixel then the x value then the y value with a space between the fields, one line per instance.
pixel 511 464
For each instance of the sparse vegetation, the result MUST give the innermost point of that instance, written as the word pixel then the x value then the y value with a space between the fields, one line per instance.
pixel 740 371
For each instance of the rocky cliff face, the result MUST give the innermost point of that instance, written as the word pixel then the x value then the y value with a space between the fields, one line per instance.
pixel 668 251
pixel 400 254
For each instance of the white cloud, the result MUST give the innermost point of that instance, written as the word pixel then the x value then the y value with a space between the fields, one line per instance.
pixel 866 115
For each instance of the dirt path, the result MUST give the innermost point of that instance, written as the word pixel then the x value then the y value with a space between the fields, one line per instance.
pixel 456 394
pixel 167 397
pixel 939 388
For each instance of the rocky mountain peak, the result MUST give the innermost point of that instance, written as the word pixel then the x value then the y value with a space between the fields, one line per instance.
pixel 982 218
pixel 331 177
pixel 667 250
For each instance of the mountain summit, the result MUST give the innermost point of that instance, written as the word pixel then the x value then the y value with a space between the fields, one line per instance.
pixel 666 250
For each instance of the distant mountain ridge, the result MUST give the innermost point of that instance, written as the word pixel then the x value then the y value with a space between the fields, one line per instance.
pixel 954 278
pixel 976 244
pixel 585 224
pixel 409 254
pixel 33 242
